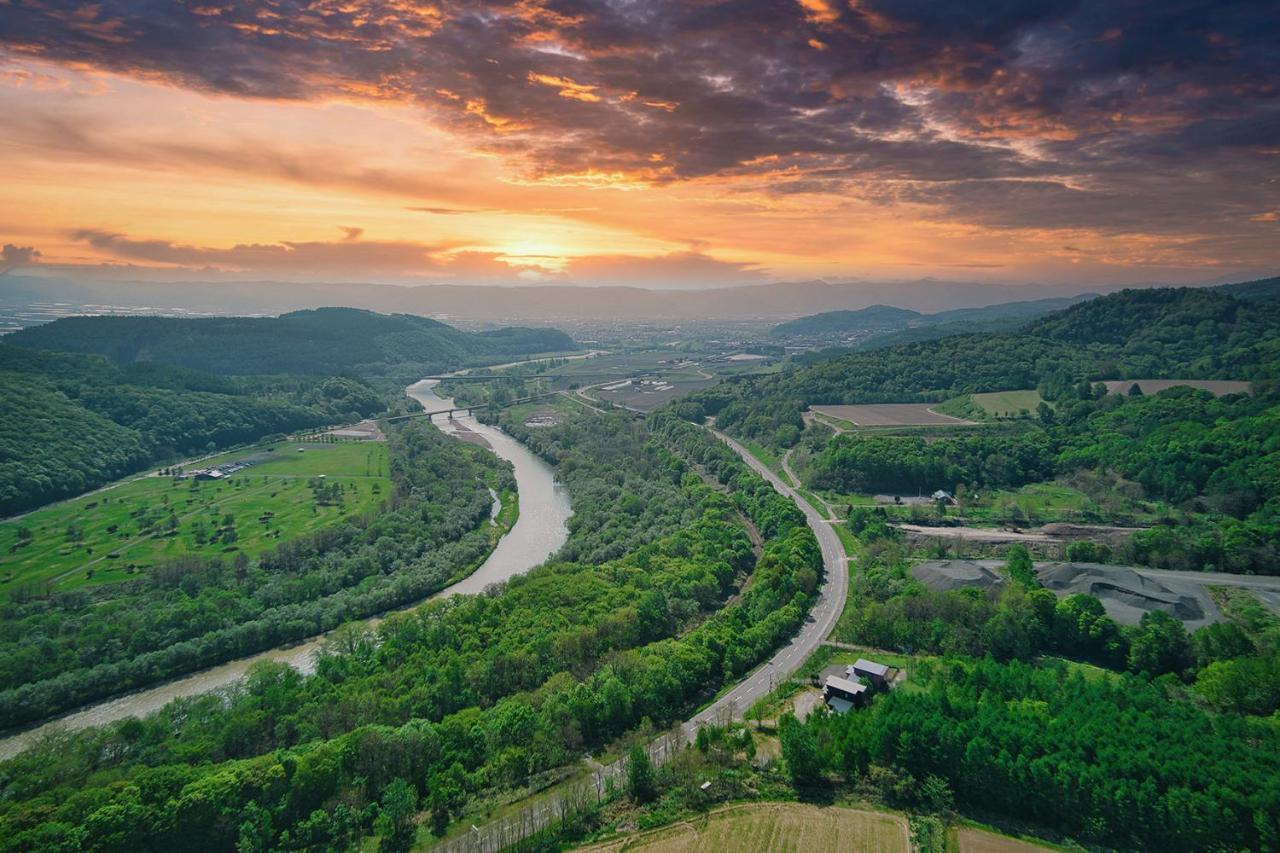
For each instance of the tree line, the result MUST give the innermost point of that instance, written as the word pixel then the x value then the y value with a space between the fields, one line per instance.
pixel 463 697
pixel 194 612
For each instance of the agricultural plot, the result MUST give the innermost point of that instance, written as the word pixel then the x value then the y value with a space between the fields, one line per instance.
pixel 1009 404
pixel 1216 387
pixel 119 532
pixel 890 414
pixel 764 827
pixel 971 840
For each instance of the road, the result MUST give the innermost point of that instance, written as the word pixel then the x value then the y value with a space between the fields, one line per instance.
pixel 554 805
pixel 822 618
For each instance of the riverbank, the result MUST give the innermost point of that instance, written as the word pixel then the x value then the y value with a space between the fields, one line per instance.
pixel 538 532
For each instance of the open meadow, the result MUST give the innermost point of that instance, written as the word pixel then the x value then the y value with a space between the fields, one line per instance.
pixel 1009 404
pixel 117 532
pixel 764 827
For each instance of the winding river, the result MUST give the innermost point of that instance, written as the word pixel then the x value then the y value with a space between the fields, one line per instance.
pixel 538 533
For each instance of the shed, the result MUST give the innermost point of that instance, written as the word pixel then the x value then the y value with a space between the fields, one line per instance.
pixel 876 673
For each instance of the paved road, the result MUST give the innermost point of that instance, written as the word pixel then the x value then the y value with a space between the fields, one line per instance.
pixel 822 618
pixel 543 812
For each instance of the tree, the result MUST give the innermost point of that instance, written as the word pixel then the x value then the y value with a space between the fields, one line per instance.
pixel 1158 645
pixel 1021 570
pixel 800 751
pixel 641 784
pixel 396 809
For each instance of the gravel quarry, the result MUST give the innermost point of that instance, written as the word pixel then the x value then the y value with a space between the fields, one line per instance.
pixel 1126 592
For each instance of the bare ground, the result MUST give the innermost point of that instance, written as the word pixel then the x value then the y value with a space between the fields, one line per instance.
pixel 1126 592
pixel 891 414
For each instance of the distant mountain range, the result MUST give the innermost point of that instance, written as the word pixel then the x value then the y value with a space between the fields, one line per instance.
pixel 534 304
pixel 880 325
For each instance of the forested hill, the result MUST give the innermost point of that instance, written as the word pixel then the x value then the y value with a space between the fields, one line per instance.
pixel 829 322
pixel 1185 333
pixel 886 325
pixel 71 422
pixel 1201 332
pixel 320 342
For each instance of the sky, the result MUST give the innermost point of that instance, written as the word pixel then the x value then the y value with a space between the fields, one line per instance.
pixel 642 142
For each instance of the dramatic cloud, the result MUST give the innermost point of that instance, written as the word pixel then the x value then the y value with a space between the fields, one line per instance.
pixel 339 259
pixel 352 258
pixel 1118 117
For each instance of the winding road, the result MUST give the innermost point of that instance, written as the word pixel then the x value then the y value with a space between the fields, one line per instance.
pixel 556 804
pixel 822 618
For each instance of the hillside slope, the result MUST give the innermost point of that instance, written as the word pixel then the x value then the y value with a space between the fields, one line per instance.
pixel 70 422
pixel 1185 333
pixel 836 322
pixel 317 342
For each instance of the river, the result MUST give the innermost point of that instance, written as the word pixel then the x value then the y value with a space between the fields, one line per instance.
pixel 538 533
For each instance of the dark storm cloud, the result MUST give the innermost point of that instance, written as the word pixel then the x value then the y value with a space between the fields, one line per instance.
pixel 1074 105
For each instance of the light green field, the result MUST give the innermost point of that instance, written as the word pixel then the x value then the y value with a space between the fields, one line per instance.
pixel 1009 404
pixel 113 534
pixel 764 827
pixel 969 839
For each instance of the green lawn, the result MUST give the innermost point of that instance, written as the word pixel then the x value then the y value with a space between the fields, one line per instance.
pixel 1009 404
pixel 113 534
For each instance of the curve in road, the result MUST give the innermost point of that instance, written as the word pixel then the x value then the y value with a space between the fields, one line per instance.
pixel 822 618
pixel 524 822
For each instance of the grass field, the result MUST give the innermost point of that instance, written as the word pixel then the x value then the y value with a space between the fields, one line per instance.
pixel 113 534
pixel 1009 404
pixel 890 414
pixel 967 839
pixel 763 827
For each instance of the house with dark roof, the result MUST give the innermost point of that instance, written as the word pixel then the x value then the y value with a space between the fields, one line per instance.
pixel 876 673
pixel 842 694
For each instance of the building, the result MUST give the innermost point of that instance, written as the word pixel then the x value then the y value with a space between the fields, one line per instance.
pixel 876 673
pixel 841 694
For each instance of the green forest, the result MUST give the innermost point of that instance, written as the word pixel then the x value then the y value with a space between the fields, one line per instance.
pixel 70 423
pixel 60 650
pixel 1183 333
pixel 658 598
pixel 320 342
pixel 87 400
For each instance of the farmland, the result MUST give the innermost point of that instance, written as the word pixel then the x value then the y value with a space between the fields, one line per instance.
pixel 971 840
pixel 1009 404
pixel 890 414
pixel 641 380
pixel 773 826
pixel 119 532
pixel 1216 387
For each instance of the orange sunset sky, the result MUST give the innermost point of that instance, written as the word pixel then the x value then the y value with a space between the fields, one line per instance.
pixel 659 143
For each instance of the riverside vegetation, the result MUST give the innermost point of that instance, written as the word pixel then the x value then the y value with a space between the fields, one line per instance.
pixel 632 622
pixel 62 649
